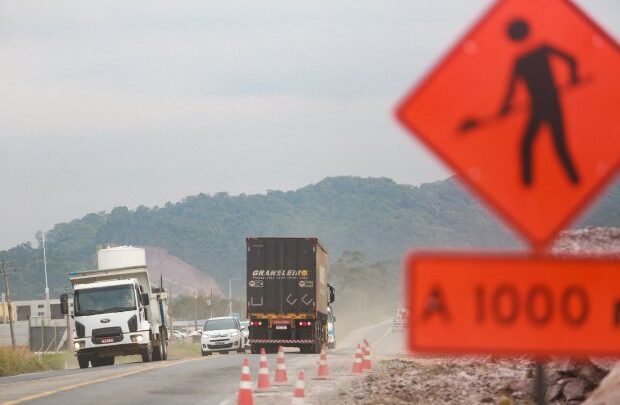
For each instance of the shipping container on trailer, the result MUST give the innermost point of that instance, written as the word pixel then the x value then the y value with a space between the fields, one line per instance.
pixel 287 293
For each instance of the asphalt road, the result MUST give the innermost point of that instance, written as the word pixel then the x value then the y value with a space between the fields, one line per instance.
pixel 204 380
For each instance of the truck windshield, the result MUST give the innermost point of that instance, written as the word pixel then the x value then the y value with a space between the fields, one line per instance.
pixel 220 324
pixel 103 300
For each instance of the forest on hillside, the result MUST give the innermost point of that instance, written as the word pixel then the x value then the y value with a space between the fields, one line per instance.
pixel 375 216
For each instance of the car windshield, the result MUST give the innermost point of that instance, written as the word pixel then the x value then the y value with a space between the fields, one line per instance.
pixel 103 300
pixel 219 324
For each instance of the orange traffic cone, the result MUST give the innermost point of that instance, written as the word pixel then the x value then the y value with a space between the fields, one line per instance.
pixel 245 386
pixel 280 378
pixel 357 364
pixel 264 382
pixel 366 365
pixel 300 388
pixel 323 373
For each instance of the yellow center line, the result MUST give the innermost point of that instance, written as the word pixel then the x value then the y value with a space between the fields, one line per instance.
pixel 99 380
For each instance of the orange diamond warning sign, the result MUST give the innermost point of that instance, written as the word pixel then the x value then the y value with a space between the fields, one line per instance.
pixel 525 110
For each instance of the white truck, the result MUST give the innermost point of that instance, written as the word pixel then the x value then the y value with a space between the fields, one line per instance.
pixel 116 310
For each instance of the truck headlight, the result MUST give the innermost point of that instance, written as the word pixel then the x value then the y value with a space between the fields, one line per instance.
pixel 78 345
pixel 137 338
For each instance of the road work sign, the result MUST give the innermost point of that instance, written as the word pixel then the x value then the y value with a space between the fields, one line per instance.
pixel 514 305
pixel 525 109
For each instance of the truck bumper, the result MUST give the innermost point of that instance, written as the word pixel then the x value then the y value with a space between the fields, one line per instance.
pixel 109 351
pixel 130 344
pixel 281 341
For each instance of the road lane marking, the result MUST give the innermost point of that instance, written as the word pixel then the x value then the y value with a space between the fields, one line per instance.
pixel 102 379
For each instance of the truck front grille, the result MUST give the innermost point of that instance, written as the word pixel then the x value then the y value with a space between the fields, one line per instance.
pixel 107 335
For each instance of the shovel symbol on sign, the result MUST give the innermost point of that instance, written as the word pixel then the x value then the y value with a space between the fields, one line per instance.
pixel 533 69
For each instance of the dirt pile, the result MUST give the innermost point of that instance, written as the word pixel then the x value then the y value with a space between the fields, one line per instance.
pixel 179 276
pixel 593 241
pixel 444 381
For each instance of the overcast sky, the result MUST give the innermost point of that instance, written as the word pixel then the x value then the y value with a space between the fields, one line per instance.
pixel 108 103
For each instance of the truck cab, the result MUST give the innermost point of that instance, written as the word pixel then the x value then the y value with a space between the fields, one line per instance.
pixel 116 313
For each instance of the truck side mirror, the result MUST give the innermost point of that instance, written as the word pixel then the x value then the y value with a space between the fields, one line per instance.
pixel 332 294
pixel 144 299
pixel 64 303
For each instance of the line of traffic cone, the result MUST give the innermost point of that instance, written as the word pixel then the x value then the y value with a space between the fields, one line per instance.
pixel 357 363
pixel 300 389
pixel 323 373
pixel 280 377
pixel 245 386
pixel 264 382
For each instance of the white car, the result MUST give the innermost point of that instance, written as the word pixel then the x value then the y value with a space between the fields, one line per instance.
pixel 178 335
pixel 222 335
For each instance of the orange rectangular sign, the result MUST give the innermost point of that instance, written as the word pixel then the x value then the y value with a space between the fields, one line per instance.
pixel 462 304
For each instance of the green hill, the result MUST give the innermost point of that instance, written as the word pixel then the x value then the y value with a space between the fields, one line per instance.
pixel 375 216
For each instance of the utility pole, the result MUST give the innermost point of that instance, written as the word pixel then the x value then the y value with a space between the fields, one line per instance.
pixel 230 280
pixel 69 332
pixel 5 273
pixel 211 302
pixel 195 312
pixel 48 308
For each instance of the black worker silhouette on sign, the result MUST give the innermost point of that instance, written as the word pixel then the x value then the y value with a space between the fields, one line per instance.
pixel 534 69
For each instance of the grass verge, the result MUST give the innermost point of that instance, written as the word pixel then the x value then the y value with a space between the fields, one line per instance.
pixel 21 360
pixel 183 350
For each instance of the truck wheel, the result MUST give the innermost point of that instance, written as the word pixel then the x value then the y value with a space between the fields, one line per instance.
pixel 83 361
pixel 147 353
pixel 317 348
pixel 254 349
pixel 98 362
pixel 164 347
pixel 110 361
pixel 157 351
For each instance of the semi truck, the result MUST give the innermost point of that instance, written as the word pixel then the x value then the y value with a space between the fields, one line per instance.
pixel 116 310
pixel 287 293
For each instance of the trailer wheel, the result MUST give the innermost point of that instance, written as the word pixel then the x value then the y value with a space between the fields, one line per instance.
pixel 147 353
pixel 83 361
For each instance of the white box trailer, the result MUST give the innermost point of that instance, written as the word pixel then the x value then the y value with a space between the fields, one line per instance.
pixel 117 311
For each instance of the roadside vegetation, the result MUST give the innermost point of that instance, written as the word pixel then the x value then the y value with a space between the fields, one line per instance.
pixel 21 360
pixel 183 350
